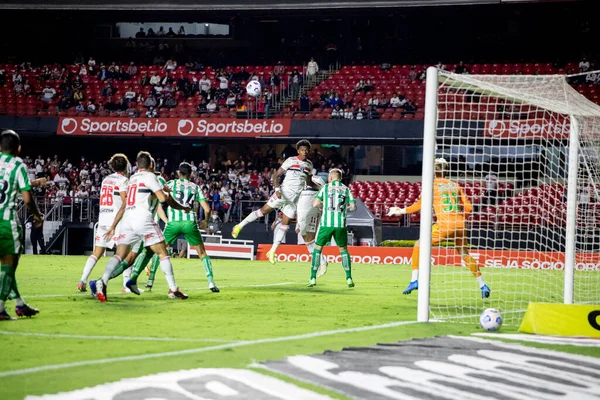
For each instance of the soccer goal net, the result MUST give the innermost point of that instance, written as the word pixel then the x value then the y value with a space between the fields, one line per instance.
pixel 526 152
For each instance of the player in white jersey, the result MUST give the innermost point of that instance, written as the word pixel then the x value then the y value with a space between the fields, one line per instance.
pixel 138 224
pixel 308 219
pixel 137 248
pixel 113 195
pixel 297 170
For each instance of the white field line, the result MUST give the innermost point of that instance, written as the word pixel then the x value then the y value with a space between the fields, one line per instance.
pixel 134 338
pixel 203 349
pixel 42 296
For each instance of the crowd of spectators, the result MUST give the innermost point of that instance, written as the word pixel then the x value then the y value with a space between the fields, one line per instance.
pixel 232 187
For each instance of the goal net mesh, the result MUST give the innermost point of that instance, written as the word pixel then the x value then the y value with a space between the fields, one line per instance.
pixel 506 139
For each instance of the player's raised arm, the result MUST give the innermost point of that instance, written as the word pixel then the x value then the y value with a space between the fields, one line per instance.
pixel 318 201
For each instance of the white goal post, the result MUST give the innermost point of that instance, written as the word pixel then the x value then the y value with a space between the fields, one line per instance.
pixel 525 150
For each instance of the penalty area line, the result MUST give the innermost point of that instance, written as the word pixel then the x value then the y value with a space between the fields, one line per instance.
pixel 41 296
pixel 203 349
pixel 134 338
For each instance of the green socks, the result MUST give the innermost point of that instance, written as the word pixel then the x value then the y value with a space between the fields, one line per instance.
pixel 346 263
pixel 140 263
pixel 119 270
pixel 154 267
pixel 7 277
pixel 208 268
pixel 316 260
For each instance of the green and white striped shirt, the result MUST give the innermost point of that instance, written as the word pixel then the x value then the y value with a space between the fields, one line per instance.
pixel 335 197
pixel 185 193
pixel 13 181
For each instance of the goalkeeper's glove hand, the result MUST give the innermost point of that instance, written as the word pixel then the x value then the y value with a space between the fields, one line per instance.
pixel 396 211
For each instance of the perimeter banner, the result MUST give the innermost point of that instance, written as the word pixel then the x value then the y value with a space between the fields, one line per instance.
pixel 173 127
pixel 439 256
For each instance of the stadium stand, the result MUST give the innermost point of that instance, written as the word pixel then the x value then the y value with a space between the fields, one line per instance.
pixel 363 92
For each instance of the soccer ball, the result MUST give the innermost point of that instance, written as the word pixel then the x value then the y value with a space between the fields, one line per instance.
pixel 490 319
pixel 253 88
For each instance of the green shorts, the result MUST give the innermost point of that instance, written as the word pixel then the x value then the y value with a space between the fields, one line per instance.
pixel 189 230
pixel 339 234
pixel 11 238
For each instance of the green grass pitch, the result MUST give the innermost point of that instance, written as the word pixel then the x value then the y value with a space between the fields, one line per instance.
pixel 258 301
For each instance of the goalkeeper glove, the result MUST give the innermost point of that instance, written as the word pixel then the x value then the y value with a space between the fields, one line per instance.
pixel 396 211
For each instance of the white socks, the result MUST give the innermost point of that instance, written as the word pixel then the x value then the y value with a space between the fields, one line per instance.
pixel 251 218
pixel 415 275
pixel 19 302
pixel 167 268
pixel 127 275
pixel 110 267
pixel 480 281
pixel 89 266
pixel 311 248
pixel 279 235
pixel 1 305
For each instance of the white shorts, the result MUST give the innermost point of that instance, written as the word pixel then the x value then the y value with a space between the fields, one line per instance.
pixel 286 204
pixel 134 230
pixel 99 240
pixel 308 220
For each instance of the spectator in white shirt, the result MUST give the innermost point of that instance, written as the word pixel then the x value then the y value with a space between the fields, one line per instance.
pixel 170 65
pixel 155 80
pixel 373 102
pixel 91 64
pixel 337 113
pixel 151 113
pixel 230 100
pixel 311 69
pixel 161 32
pixel 360 113
pixel 211 107
pixel 48 94
pixel 395 100
pixel 349 113
pixel 130 95
pixel 205 84
pixel 83 70
pixel 584 65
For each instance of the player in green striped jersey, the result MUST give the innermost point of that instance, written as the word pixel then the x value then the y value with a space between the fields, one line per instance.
pixel 336 200
pixel 186 224
pixel 13 180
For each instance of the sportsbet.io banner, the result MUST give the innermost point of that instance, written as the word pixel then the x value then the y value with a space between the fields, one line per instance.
pixel 174 127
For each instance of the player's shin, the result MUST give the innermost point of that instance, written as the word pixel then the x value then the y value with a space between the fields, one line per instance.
pixel 415 263
pixel 112 264
pixel 7 276
pixel 15 295
pixel 316 256
pixel 167 269
pixel 279 236
pixel 346 263
pixel 140 263
pixel 89 266
pixel 474 268
pixel 123 265
pixel 253 216
pixel 155 263
pixel 208 268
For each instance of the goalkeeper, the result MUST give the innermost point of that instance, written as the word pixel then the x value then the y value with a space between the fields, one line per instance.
pixel 451 207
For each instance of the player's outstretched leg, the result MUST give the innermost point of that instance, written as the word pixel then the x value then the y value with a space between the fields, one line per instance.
pixel 101 284
pixel 7 276
pixel 474 268
pixel 253 216
pixel 154 264
pixel 207 264
pixel 22 309
pixel 314 266
pixel 87 270
pixel 138 266
pixel 414 280
pixel 347 265
pixel 277 239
